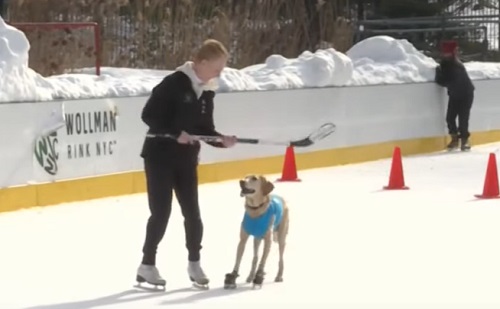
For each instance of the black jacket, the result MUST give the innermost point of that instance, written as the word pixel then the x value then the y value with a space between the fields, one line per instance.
pixel 451 73
pixel 174 107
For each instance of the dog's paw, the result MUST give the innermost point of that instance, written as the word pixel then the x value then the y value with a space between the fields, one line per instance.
pixel 251 276
pixel 230 280
pixel 278 279
pixel 259 278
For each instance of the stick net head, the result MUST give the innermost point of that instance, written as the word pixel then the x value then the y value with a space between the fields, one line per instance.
pixel 323 131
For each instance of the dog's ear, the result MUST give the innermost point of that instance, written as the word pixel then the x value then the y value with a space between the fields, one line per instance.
pixel 267 186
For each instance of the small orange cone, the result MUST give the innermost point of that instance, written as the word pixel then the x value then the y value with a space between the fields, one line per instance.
pixel 396 178
pixel 289 172
pixel 490 189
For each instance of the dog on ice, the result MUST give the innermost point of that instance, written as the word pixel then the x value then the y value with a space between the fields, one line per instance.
pixel 266 217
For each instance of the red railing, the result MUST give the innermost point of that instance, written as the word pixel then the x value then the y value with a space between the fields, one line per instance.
pixel 68 25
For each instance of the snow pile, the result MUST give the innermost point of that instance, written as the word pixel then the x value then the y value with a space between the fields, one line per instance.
pixel 17 81
pixel 376 60
pixel 323 68
pixel 373 61
pixel 483 70
pixel 385 60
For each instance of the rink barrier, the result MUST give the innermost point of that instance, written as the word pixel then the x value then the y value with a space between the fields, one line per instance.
pixel 106 135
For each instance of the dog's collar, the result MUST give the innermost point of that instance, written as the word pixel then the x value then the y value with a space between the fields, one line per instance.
pixel 256 207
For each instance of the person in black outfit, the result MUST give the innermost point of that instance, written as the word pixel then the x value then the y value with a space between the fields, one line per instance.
pixel 451 73
pixel 179 107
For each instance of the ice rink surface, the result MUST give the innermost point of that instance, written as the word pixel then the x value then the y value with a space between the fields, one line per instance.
pixel 351 245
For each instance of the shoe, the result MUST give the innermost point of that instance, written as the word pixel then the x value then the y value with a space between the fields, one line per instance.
pixel 196 274
pixel 150 274
pixel 453 143
pixel 464 144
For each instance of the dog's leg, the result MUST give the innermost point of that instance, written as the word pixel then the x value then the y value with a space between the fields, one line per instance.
pixel 256 246
pixel 230 280
pixel 259 275
pixel 282 234
pixel 240 250
pixel 265 253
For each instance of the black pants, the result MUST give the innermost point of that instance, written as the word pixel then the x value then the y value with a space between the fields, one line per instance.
pixel 163 175
pixel 459 107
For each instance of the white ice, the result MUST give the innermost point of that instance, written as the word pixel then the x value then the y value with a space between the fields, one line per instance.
pixel 351 245
pixel 377 60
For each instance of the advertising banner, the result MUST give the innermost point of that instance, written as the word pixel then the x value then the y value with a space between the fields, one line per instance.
pixel 77 140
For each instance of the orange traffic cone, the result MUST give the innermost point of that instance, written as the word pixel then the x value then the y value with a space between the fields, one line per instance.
pixel 490 189
pixel 289 172
pixel 396 178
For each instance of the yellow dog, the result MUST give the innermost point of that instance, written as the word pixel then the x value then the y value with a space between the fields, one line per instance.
pixel 266 218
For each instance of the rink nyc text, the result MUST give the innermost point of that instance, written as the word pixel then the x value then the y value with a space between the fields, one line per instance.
pixel 88 124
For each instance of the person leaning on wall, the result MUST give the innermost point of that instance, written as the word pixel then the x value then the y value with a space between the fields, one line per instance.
pixel 452 74
pixel 180 106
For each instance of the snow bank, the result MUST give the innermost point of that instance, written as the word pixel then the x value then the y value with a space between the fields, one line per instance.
pixel 323 68
pixel 17 81
pixel 385 60
pixel 376 60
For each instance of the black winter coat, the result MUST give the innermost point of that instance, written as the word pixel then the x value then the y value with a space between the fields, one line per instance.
pixel 174 107
pixel 451 73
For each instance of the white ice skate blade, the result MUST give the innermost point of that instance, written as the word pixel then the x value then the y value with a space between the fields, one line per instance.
pixel 150 287
pixel 200 286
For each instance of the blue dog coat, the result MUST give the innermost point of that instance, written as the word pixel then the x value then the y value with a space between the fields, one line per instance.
pixel 258 227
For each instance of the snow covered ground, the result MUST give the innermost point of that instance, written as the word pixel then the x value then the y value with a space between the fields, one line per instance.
pixel 351 245
pixel 378 60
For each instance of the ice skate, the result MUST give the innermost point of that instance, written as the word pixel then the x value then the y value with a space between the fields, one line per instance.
pixel 150 275
pixel 197 276
pixel 454 143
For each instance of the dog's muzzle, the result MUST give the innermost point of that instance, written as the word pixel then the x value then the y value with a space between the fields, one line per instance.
pixel 244 189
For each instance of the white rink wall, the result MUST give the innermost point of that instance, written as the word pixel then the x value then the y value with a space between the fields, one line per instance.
pixel 111 143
